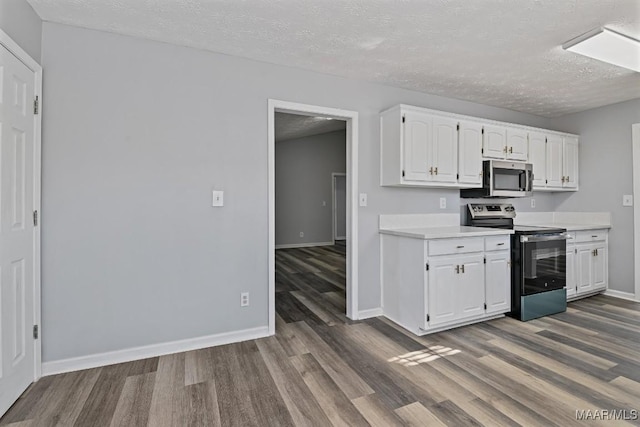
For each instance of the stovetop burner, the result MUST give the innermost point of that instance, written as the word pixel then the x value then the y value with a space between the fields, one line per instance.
pixel 501 215
pixel 534 229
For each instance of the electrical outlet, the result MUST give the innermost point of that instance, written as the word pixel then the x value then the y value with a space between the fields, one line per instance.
pixel 627 200
pixel 244 299
pixel 302 234
pixel 443 202
pixel 533 202
pixel 363 199
pixel 324 203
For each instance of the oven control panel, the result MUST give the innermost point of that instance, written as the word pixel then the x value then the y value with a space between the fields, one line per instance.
pixel 493 210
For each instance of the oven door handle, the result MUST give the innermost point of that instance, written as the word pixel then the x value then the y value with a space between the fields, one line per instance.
pixel 544 237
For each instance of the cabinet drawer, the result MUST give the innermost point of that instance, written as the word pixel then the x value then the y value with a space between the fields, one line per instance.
pixel 591 236
pixel 497 243
pixel 455 246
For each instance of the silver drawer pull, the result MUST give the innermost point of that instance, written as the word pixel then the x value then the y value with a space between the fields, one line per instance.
pixel 460 247
pixel 594 236
pixel 501 244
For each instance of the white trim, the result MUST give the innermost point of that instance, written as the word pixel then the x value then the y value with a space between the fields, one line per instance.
pixel 367 314
pixel 334 220
pixel 154 350
pixel 619 294
pixel 352 201
pixel 304 245
pixel 26 59
pixel 635 141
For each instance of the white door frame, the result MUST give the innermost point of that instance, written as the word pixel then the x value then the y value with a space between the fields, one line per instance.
pixel 334 219
pixel 27 60
pixel 635 141
pixel 351 117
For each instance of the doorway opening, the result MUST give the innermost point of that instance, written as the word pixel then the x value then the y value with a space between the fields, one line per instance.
pixel 310 265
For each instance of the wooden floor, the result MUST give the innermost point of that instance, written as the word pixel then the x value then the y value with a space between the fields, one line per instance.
pixel 321 369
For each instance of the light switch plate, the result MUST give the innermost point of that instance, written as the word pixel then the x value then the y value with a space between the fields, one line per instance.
pixel 533 202
pixel 627 200
pixel 218 198
pixel 363 199
pixel 443 202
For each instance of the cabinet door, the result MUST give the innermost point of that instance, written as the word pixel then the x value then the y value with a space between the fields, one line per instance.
pixel 538 157
pixel 584 270
pixel 417 146
pixel 571 270
pixel 470 153
pixel 445 150
pixel 570 162
pixel 443 295
pixel 497 283
pixel 470 291
pixel 599 266
pixel 554 161
pixel 517 146
pixel 494 142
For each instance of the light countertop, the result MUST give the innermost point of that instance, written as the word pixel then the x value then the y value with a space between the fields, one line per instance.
pixel 447 232
pixel 573 226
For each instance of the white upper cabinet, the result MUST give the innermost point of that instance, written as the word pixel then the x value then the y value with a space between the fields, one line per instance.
pixel 470 153
pixel 517 144
pixel 445 150
pixel 417 146
pixel 554 161
pixel 570 162
pixel 537 157
pixel 494 144
pixel 426 148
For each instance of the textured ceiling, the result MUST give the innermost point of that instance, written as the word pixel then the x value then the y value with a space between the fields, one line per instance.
pixel 292 126
pixel 505 53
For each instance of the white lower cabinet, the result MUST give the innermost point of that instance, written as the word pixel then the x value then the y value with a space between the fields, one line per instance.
pixel 432 285
pixel 587 263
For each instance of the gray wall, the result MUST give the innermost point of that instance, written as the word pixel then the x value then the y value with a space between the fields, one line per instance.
pixel 137 134
pixel 24 26
pixel 303 182
pixel 606 173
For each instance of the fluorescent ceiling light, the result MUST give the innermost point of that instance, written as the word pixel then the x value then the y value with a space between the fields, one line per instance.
pixel 607 46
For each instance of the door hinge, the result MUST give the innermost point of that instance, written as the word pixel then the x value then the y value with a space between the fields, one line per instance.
pixel 35 218
pixel 403 118
pixel 35 332
pixel 36 105
pixel 427 267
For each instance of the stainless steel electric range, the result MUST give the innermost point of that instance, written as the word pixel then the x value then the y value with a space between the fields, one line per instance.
pixel 538 261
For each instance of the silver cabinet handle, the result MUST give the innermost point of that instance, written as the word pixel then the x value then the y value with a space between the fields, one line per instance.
pixel 457 269
pixel 462 267
pixel 460 247
pixel 501 244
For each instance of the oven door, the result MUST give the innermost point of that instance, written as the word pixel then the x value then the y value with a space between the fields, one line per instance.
pixel 543 262
pixel 510 179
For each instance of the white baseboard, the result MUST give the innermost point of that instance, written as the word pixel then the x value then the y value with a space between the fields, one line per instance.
pixel 367 314
pixel 303 245
pixel 619 294
pixel 144 352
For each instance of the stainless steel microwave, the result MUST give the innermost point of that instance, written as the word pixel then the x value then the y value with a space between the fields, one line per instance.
pixel 503 178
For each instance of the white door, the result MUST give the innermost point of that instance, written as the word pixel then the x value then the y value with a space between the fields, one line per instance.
pixel 417 147
pixel 537 157
pixel 571 271
pixel 570 162
pixel 599 266
pixel 471 286
pixel 443 293
pixel 517 147
pixel 470 153
pixel 584 270
pixel 445 149
pixel 17 234
pixel 494 142
pixel 498 282
pixel 340 207
pixel 554 161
